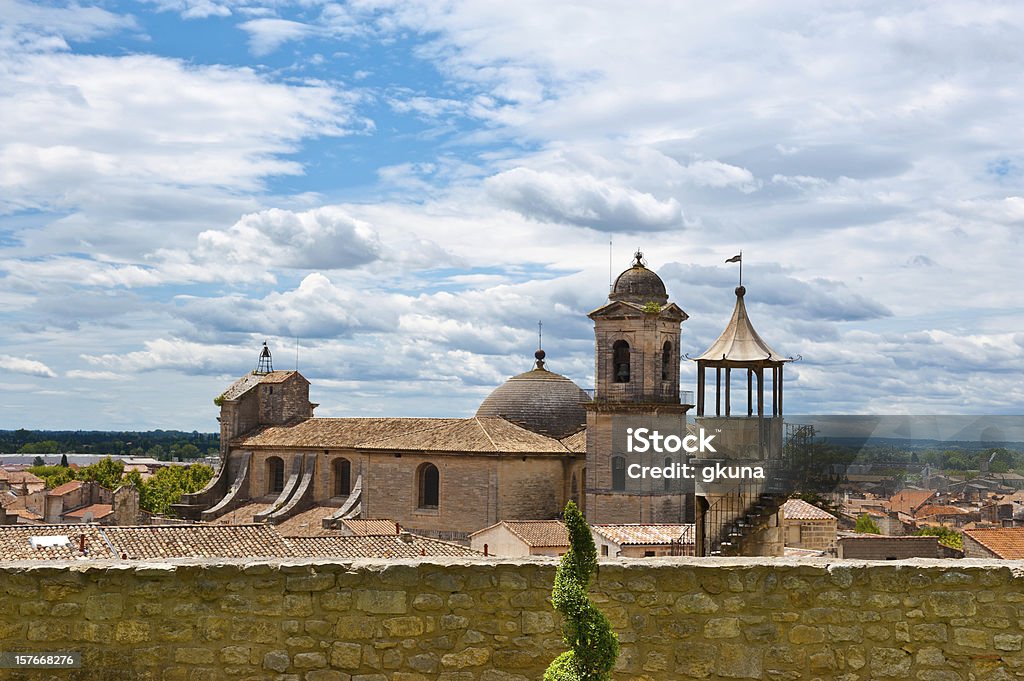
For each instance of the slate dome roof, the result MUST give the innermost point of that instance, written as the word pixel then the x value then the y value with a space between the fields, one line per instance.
pixel 539 400
pixel 639 285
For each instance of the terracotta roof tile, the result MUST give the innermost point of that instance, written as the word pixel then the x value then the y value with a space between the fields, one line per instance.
pixel 392 546
pixel 909 500
pixel 16 542
pixel 646 534
pixel 242 515
pixel 798 509
pixel 576 442
pixel 939 509
pixel 535 533
pixel 70 486
pixel 370 526
pixel 198 541
pixel 485 434
pixel 97 510
pixel 1004 542
pixel 308 523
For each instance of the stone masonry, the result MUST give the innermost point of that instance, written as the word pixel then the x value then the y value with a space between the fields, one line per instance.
pixel 487 620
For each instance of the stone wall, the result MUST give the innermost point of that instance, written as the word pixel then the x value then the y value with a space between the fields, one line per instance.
pixel 478 620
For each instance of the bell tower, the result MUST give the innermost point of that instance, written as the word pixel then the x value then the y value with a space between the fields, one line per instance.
pixel 637 334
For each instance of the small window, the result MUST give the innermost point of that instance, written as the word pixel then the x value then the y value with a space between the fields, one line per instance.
pixel 648 554
pixel 620 362
pixel 666 362
pixel 618 473
pixel 275 475
pixel 604 549
pixel 429 486
pixel 574 490
pixel 342 477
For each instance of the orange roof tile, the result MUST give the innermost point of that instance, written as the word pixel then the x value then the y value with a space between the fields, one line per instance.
pixel 535 533
pixel 646 534
pixel 97 510
pixel 1004 542
pixel 69 486
pixel 798 509
pixel 909 500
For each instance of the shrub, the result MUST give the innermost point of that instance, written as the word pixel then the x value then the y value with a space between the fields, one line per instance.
pixel 593 646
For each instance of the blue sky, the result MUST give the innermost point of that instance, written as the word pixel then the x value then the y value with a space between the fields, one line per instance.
pixel 403 189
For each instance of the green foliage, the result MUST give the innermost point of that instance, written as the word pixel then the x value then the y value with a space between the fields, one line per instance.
pixel 593 645
pixel 947 536
pixel 156 495
pixel 167 485
pixel 651 307
pixel 865 525
pixel 43 447
pixel 64 460
pixel 38 461
pixel 53 476
pixel 218 400
pixel 106 471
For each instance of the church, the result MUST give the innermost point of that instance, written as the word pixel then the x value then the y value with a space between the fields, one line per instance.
pixel 535 442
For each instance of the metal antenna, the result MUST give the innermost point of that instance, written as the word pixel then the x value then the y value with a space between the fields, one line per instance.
pixel 540 335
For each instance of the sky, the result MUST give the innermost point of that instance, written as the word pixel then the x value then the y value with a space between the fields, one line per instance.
pixel 392 194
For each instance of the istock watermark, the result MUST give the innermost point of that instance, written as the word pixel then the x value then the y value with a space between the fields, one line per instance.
pixel 643 440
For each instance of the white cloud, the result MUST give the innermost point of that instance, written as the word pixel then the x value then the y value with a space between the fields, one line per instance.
pixel 582 200
pixel 266 35
pixel 23 365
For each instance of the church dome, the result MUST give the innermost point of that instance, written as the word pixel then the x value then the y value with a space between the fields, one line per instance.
pixel 639 285
pixel 539 400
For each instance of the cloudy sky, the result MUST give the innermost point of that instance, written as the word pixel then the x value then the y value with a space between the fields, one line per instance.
pixel 396 192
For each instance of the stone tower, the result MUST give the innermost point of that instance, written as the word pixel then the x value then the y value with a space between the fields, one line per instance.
pixel 637 354
pixel 742 517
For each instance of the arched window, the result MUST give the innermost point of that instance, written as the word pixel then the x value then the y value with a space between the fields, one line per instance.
pixel 574 490
pixel 666 361
pixel 275 475
pixel 620 362
pixel 342 477
pixel 428 483
pixel 618 473
pixel 667 482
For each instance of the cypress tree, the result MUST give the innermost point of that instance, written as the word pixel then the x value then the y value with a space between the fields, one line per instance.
pixel 593 646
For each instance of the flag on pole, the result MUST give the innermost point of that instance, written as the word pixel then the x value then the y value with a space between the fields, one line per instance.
pixel 736 258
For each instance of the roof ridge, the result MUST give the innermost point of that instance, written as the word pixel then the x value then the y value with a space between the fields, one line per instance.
pixel 486 434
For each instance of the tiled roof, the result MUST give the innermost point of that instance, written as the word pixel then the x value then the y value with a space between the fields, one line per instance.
pixel 19 477
pixel 485 434
pixel 535 533
pixel 909 500
pixel 242 515
pixel 939 509
pixel 370 526
pixel 1004 542
pixel 309 523
pixel 66 487
pixel 15 542
pixel 251 380
pixel 198 541
pixel 646 535
pixel 576 442
pixel 392 546
pixel 798 509
pixel 154 542
pixel 97 510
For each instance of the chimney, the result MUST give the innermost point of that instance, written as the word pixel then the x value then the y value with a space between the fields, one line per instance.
pixel 81 544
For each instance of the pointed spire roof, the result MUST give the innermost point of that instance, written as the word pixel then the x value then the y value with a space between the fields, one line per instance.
pixel 740 343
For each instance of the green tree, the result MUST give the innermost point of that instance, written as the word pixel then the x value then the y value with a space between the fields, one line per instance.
pixel 38 461
pixel 947 536
pixel 53 476
pixel 167 485
pixel 865 525
pixel 106 471
pixel 593 645
pixel 64 460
